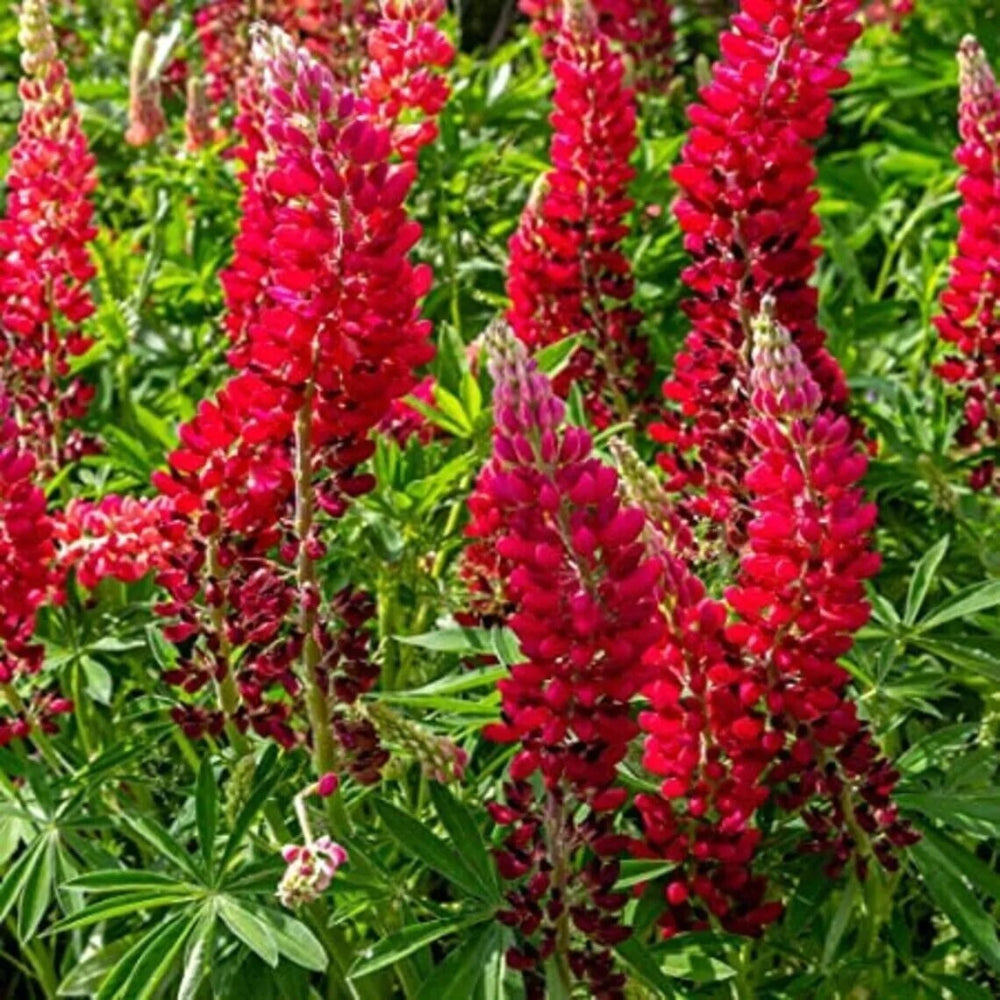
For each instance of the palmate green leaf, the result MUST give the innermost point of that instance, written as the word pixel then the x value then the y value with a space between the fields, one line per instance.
pixel 467 838
pixel 119 906
pixel 122 880
pixel 962 863
pixel 85 979
pixel 451 639
pixel 206 806
pixel 141 973
pixel 391 949
pixel 952 895
pixel 641 961
pixel 266 778
pixel 249 928
pixel 294 940
pixel 457 977
pixel 414 837
pixel 12 883
pixel 198 956
pixel 471 680
pixel 36 890
pixel 159 838
pixel 978 597
pixel 923 577
pixel 946 806
pixel 962 654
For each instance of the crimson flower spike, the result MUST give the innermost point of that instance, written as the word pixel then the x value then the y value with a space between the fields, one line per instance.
pixel 44 296
pixel 970 319
pixel 28 580
pixel 800 598
pixel 585 609
pixel 323 311
pixel 746 207
pixel 643 28
pixel 568 273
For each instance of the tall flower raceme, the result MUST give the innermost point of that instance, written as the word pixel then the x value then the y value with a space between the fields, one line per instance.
pixel 44 296
pixel 323 315
pixel 585 601
pixel 643 27
pixel 568 273
pixel 970 319
pixel 746 207
pixel 28 579
pixel 756 708
pixel 703 740
pixel 800 598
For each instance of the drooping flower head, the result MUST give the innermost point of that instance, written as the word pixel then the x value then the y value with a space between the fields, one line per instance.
pixel 199 131
pixel 747 211
pixel 970 319
pixel 568 272
pixel 44 297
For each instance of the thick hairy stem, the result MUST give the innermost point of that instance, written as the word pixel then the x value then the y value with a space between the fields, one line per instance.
pixel 325 758
pixel 555 823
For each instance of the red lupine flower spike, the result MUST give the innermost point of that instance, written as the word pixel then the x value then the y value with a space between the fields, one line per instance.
pixel 970 318
pixel 747 210
pixel 585 611
pixel 702 724
pixel 568 273
pixel 123 538
pixel 44 239
pixel 642 27
pixel 323 312
pixel 28 577
pixel 800 598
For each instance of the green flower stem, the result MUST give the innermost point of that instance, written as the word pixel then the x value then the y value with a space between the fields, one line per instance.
pixel 325 757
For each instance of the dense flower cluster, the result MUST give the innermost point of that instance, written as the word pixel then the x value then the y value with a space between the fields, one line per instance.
pixel 568 273
pixel 585 598
pixel 643 27
pixel 28 579
pixel 123 538
pixel 970 319
pixel 402 79
pixel 43 244
pixel 755 708
pixel 746 209
pixel 326 334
